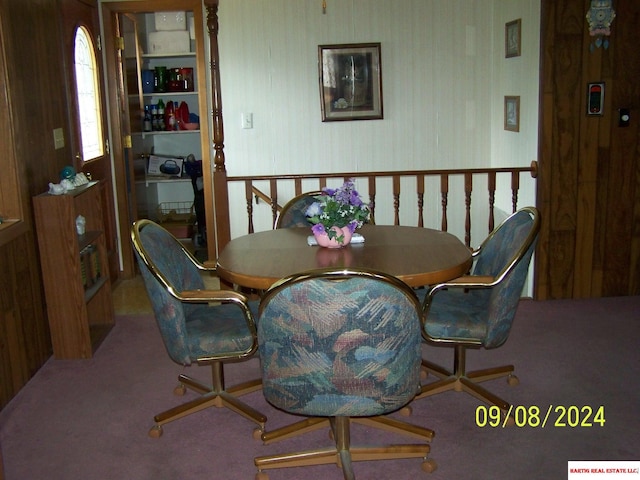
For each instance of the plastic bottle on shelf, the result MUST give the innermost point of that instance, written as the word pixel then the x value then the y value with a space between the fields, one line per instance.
pixel 161 125
pixel 154 117
pixel 169 117
pixel 147 122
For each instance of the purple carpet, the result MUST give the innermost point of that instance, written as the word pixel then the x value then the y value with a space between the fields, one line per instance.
pixel 88 419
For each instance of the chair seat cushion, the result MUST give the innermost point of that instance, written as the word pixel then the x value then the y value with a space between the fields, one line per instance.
pixel 456 314
pixel 217 330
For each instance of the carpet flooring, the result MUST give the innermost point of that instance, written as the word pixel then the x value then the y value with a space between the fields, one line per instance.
pixel 88 419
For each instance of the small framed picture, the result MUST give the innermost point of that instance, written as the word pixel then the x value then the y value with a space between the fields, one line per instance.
pixel 350 81
pixel 512 38
pixel 512 113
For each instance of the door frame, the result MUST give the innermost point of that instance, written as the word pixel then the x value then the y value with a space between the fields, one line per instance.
pixel 118 111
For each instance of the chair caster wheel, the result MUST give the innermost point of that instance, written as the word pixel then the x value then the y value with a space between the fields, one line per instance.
pixel 512 380
pixel 406 411
pixel 156 431
pixel 180 390
pixel 262 476
pixel 257 433
pixel 429 466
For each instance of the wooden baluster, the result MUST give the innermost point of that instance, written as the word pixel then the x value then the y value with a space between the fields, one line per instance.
pixel 248 192
pixel 396 199
pixel 468 187
pixel 372 197
pixel 273 193
pixel 298 186
pixel 492 198
pixel 323 183
pixel 515 186
pixel 444 193
pixel 420 191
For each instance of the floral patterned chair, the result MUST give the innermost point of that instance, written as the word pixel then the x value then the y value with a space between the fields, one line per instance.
pixel 205 327
pixel 341 347
pixel 292 213
pixel 477 310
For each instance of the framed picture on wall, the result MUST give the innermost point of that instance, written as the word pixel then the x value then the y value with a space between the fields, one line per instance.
pixel 512 113
pixel 350 81
pixel 512 38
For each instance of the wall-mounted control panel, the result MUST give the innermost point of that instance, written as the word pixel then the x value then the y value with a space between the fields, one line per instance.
pixel 595 98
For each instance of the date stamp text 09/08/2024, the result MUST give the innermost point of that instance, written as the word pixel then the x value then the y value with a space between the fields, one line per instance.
pixel 557 416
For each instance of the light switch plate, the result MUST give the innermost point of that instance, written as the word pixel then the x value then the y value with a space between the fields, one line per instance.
pixel 58 138
pixel 247 120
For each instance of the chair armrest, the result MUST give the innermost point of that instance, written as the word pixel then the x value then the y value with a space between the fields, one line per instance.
pixel 463 282
pixel 469 281
pixel 226 296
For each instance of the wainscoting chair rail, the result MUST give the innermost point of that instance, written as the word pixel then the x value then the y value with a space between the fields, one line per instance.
pixel 467 177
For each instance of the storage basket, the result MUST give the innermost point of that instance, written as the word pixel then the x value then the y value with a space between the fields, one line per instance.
pixel 177 217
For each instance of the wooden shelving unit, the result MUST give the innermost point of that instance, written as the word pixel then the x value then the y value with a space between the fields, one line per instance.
pixel 80 312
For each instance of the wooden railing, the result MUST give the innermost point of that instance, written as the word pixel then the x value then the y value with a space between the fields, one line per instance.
pixel 488 176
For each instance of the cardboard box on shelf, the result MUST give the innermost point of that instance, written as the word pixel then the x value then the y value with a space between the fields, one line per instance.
pixel 170 21
pixel 165 42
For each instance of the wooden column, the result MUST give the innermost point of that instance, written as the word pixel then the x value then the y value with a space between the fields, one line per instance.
pixel 218 230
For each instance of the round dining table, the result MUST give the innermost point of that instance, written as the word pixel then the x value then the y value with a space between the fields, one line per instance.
pixel 417 256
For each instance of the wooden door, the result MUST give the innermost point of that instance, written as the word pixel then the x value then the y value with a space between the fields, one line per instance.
pixel 82 15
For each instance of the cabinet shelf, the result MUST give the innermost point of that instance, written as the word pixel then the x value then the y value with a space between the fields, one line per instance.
pixel 87 239
pixel 79 318
pixel 150 191
pixel 165 94
pixel 93 289
pixel 161 56
pixel 175 132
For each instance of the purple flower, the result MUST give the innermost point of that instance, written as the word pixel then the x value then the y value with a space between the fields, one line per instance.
pixel 318 228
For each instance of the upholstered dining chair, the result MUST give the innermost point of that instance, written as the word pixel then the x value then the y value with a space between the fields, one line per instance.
pixel 197 325
pixel 477 311
pixel 341 347
pixel 292 213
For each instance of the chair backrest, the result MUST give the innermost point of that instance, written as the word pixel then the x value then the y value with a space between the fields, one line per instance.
pixel 340 343
pixel 293 212
pixel 166 268
pixel 505 255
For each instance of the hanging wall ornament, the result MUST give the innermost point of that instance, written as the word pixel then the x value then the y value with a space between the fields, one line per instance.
pixel 600 16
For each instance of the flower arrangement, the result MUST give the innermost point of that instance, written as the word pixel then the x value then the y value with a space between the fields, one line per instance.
pixel 340 208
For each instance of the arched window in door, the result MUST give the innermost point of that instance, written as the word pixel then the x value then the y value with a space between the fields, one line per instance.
pixel 88 95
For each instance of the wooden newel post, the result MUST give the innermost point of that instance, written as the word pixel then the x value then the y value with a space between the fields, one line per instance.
pixel 219 234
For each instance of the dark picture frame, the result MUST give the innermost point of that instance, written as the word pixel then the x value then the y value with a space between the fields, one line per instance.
pixel 513 38
pixel 350 81
pixel 512 113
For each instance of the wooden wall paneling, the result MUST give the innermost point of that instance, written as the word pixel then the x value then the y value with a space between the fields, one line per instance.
pixel 624 152
pixel 36 103
pixel 564 168
pixel 28 294
pixel 545 130
pixel 593 135
pixel 13 372
pixel 589 173
pixel 24 335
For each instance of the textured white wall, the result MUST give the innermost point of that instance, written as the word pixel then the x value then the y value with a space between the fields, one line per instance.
pixel 444 76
